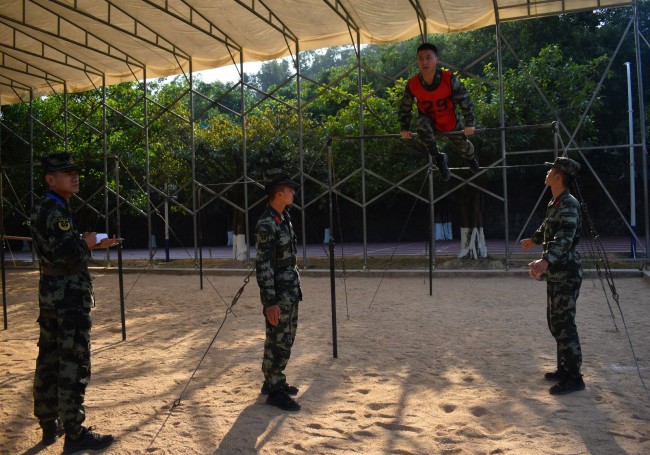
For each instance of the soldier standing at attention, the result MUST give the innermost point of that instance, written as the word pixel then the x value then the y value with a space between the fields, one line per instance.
pixel 279 282
pixel 438 92
pixel 560 266
pixel 65 298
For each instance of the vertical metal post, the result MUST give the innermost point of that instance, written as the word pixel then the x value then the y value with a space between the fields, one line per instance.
pixel 200 241
pixel 147 168
pixel 630 120
pixel 302 156
pixel 166 222
pixel 362 146
pixel 195 207
pixel 31 159
pixel 105 153
pixel 244 146
pixel 642 128
pixel 118 228
pixel 2 239
pixel 331 247
pixel 502 122
pixel 432 234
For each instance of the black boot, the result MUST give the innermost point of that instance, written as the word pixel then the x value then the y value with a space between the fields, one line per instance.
pixel 290 389
pixel 51 432
pixel 568 385
pixel 282 400
pixel 86 440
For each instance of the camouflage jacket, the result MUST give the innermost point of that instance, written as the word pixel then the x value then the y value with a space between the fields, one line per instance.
pixel 63 256
pixel 459 97
pixel 276 269
pixel 560 234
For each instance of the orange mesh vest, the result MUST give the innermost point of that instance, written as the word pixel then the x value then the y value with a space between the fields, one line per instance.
pixel 436 104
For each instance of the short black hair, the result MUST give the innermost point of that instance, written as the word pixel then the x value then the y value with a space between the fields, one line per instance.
pixel 428 47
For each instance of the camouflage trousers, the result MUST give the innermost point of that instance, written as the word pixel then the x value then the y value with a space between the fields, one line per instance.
pixel 561 317
pixel 277 346
pixel 426 138
pixel 62 367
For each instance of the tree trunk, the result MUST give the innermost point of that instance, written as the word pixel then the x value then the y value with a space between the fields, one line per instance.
pixel 472 238
pixel 239 247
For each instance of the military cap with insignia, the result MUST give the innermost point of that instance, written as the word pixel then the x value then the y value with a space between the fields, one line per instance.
pixel 566 165
pixel 58 162
pixel 276 177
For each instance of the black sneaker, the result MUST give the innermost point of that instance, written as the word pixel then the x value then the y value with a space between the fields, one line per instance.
pixel 569 385
pixel 290 389
pixel 441 162
pixel 87 440
pixel 557 375
pixel 283 401
pixel 51 432
pixel 474 166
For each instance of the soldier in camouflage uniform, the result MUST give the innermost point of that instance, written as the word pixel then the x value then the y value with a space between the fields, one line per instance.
pixel 438 92
pixel 279 283
pixel 65 298
pixel 560 266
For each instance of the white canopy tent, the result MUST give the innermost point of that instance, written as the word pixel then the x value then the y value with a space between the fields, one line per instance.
pixel 84 44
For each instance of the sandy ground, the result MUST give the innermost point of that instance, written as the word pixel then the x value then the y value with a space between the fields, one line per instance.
pixel 457 373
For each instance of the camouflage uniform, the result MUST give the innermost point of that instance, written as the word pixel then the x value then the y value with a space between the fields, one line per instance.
pixel 279 283
pixel 559 234
pixel 425 126
pixel 65 300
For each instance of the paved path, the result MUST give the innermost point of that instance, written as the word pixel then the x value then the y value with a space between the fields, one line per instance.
pixel 443 247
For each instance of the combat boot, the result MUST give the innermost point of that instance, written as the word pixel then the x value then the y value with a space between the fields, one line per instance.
pixel 86 440
pixel 51 432
pixel 568 385
pixel 290 389
pixel 282 400
pixel 441 162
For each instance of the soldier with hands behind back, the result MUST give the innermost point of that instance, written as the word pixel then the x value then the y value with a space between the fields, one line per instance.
pixel 279 283
pixel 65 298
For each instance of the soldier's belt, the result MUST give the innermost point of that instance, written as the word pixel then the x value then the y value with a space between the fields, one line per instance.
pixel 288 262
pixel 56 271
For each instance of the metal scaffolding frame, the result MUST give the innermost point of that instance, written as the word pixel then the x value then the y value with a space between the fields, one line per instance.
pixel 57 58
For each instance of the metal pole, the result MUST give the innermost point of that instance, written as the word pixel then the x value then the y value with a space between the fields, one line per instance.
pixel 362 145
pixel 642 127
pixel 105 151
pixel 195 207
pixel 147 169
pixel 331 249
pixel 166 222
pixel 432 234
pixel 632 179
pixel 118 228
pixel 503 140
pixel 200 241
pixel 2 239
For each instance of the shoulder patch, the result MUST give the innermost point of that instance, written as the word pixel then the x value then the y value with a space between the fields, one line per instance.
pixel 262 238
pixel 64 224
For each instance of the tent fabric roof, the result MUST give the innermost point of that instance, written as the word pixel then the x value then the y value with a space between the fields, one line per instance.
pixel 84 44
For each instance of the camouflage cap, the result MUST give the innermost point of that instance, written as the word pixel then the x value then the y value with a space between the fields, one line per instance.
pixel 58 162
pixel 566 165
pixel 275 177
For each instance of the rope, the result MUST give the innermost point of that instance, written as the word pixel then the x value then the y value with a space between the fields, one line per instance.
pixel 607 273
pixel 408 218
pixel 178 401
